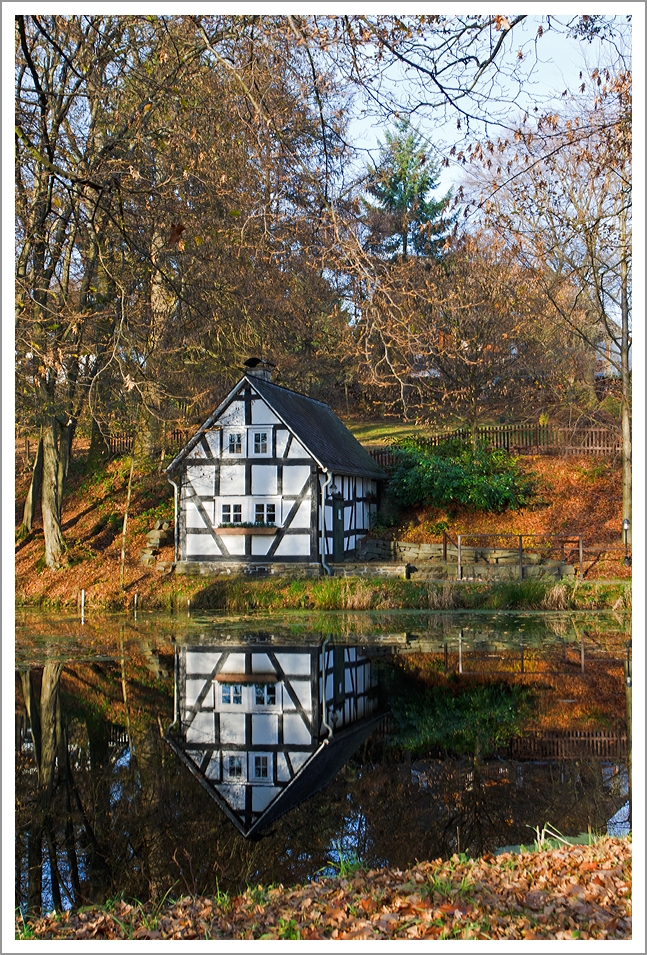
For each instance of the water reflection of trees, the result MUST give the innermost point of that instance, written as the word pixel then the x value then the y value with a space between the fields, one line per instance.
pixel 97 817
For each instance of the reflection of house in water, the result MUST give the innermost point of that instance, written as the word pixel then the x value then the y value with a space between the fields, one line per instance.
pixel 262 729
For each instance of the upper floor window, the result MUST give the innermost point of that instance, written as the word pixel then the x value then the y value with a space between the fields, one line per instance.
pixel 232 694
pixel 235 443
pixel 260 767
pixel 260 442
pixel 265 694
pixel 235 767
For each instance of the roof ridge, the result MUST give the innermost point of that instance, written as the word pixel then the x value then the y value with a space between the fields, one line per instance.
pixel 253 381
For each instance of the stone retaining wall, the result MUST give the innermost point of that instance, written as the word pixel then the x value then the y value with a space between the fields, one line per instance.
pixel 197 568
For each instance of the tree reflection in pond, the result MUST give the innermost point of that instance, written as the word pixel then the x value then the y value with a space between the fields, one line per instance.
pixel 97 818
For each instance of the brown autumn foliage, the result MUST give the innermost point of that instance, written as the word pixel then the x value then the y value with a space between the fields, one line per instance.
pixel 581 496
pixel 574 892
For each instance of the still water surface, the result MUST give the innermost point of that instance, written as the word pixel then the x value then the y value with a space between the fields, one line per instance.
pixel 191 753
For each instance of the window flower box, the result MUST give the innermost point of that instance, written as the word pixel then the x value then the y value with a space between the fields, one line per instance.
pixel 237 529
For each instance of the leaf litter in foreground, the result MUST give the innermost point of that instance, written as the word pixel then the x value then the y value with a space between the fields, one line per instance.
pixel 575 892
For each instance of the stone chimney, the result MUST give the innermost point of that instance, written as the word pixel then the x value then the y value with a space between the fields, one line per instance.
pixel 261 371
pixel 258 368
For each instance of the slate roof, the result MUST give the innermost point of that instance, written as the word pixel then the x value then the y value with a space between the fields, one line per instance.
pixel 314 424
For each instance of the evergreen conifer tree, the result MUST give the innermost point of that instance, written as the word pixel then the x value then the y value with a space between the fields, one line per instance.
pixel 403 219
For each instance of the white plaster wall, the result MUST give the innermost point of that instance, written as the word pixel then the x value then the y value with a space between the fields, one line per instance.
pixel 235 544
pixel 302 516
pixel 233 415
pixel 193 688
pixel 294 545
pixel 201 544
pixel 282 769
pixel 262 796
pixel 265 729
pixel 298 760
pixel 261 663
pixel 213 440
pixel 295 732
pixel 261 414
pixel 261 545
pixel 202 728
pixel 281 442
pixel 294 664
pixel 302 690
pixel 233 793
pixel 263 479
pixel 202 478
pixel 297 450
pixel 232 728
pixel 232 480
pixel 194 517
pixel 294 477
pixel 200 662
pixel 235 663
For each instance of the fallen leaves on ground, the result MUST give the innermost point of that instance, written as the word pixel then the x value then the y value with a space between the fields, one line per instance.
pixel 581 892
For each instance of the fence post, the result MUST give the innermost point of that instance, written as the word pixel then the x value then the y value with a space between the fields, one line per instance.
pixel 581 558
pixel 445 547
pixel 520 556
pixel 460 559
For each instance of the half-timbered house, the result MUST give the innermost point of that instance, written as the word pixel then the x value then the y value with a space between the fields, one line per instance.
pixel 263 728
pixel 272 475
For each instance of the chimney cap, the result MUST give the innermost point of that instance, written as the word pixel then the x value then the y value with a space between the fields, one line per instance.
pixel 255 362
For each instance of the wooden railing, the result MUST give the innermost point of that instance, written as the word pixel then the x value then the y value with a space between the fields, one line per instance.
pixel 121 443
pixel 554 541
pixel 523 439
pixel 569 744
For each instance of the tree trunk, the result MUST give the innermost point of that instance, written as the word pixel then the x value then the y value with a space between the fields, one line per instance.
pixel 148 435
pixel 33 494
pixel 66 436
pixel 99 447
pixel 625 407
pixel 51 502
pixel 41 819
pixel 64 780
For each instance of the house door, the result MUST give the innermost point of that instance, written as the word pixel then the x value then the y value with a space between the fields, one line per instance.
pixel 337 529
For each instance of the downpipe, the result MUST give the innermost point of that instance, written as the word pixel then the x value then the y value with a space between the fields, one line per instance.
pixel 324 705
pixel 324 488
pixel 176 518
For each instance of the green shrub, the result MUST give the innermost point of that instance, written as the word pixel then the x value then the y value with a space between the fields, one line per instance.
pixel 462 720
pixel 456 475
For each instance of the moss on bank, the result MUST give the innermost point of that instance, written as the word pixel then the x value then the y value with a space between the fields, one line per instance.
pixel 241 595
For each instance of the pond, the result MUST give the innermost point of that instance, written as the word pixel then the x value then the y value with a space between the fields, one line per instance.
pixel 188 754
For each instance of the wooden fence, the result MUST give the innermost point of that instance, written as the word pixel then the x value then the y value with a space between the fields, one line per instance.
pixel 121 443
pixel 544 544
pixel 569 744
pixel 525 439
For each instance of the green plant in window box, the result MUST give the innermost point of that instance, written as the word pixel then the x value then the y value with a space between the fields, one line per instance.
pixel 247 524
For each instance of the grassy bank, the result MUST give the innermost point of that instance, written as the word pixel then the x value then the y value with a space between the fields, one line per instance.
pixel 581 492
pixel 573 892
pixel 241 595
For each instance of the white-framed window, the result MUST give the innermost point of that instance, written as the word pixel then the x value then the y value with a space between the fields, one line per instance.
pixel 260 442
pixel 265 694
pixel 234 767
pixel 261 767
pixel 231 694
pixel 236 442
pixel 231 513
pixel 265 513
